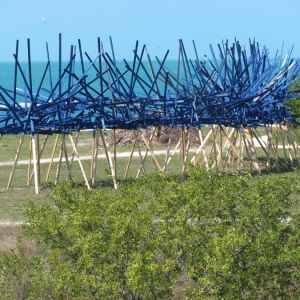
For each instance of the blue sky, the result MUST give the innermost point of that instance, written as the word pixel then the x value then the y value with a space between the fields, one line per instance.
pixel 157 23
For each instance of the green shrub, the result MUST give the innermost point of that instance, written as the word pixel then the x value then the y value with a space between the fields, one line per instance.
pixel 206 237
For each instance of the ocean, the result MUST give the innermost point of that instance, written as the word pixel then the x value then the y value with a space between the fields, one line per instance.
pixel 7 74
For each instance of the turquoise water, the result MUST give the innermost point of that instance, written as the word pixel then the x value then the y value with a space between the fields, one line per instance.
pixel 7 71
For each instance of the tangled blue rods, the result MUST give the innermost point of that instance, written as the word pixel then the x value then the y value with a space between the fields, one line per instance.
pixel 234 88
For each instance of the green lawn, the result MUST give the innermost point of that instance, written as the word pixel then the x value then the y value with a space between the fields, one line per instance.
pixel 13 201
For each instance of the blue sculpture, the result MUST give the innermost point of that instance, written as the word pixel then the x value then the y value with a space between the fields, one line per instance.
pixel 233 89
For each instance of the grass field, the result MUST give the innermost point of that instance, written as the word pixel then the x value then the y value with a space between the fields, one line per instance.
pixel 13 201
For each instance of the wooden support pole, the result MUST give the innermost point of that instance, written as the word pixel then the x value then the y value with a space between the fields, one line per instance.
pixel 168 150
pixel 40 154
pixel 232 148
pixel 151 152
pixel 105 149
pixel 186 152
pixel 282 134
pixel 16 161
pixel 35 168
pixel 115 152
pixel 52 157
pixel 135 133
pixel 109 156
pixel 284 131
pixel 38 157
pixel 183 144
pixel 95 157
pixel 72 157
pixel 93 153
pixel 215 148
pixel 293 144
pixel 260 140
pixel 65 151
pixel 172 154
pixel 241 151
pixel 146 152
pixel 142 159
pixel 59 162
pixel 79 161
pixel 251 150
pixel 271 146
pixel 201 148
pixel 223 144
pixel 29 163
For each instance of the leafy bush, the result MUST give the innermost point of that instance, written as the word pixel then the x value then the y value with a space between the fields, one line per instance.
pixel 206 237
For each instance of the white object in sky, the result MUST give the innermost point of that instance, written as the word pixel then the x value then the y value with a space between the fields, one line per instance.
pixel 43 20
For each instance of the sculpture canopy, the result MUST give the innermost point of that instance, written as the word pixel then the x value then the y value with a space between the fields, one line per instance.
pixel 234 88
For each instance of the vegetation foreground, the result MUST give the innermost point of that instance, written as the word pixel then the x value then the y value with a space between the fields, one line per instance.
pixel 205 236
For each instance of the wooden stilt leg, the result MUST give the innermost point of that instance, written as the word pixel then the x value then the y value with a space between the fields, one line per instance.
pixel 232 148
pixel 276 139
pixel 215 149
pixel 79 161
pixel 40 155
pixel 93 153
pixel 72 157
pixel 201 148
pixel 105 149
pixel 152 154
pixel 95 158
pixel 135 133
pixel 168 150
pixel 251 150
pixel 271 146
pixel 52 157
pixel 59 162
pixel 172 154
pixel 109 155
pixel 148 149
pixel 187 148
pixel 115 153
pixel 259 140
pixel 284 129
pixel 38 158
pixel 35 168
pixel 183 144
pixel 222 145
pixel 293 143
pixel 241 152
pixel 29 163
pixel 65 151
pixel 16 161
pixel 142 159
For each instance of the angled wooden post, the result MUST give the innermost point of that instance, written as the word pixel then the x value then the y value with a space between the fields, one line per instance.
pixel 29 163
pixel 79 161
pixel 72 157
pixel 15 161
pixel 135 133
pixel 40 154
pixel 35 167
pixel 59 161
pixel 52 158
pixel 95 157
pixel 251 150
pixel 168 149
